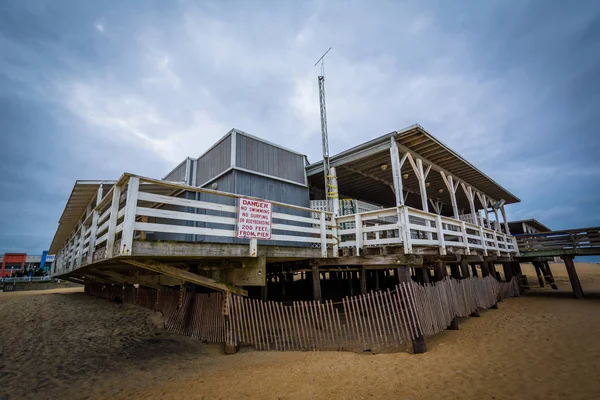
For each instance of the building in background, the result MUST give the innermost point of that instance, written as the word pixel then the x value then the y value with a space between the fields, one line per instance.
pixel 22 263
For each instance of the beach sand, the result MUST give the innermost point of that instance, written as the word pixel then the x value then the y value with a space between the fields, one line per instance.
pixel 63 344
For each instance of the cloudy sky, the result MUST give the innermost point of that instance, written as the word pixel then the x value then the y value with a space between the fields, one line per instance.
pixel 90 89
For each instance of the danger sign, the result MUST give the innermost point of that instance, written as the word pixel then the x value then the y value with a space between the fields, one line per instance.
pixel 254 219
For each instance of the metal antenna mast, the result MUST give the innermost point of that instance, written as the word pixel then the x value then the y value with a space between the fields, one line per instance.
pixel 330 191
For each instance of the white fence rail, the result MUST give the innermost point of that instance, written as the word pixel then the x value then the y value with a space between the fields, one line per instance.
pixel 143 208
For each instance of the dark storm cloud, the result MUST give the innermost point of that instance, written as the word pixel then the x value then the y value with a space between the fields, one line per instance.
pixel 89 90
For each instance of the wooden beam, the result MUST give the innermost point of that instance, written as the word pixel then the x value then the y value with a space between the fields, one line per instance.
pixel 386 260
pixel 575 284
pixel 185 275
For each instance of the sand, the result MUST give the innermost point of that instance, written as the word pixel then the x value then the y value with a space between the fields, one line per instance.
pixel 70 346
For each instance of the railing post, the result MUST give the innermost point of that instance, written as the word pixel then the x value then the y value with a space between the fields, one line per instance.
pixel 323 226
pixel 359 233
pixel 334 235
pixel 401 228
pixel 129 218
pixel 465 238
pixel 112 221
pixel 94 227
pixel 81 240
pixel 407 229
pixel 253 247
pixel 440 234
pixel 482 236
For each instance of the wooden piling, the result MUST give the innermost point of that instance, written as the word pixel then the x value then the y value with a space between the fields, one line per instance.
pixel 316 283
pixel 363 280
pixel 538 272
pixel 575 284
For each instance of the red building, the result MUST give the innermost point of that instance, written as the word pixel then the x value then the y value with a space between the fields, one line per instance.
pixel 12 262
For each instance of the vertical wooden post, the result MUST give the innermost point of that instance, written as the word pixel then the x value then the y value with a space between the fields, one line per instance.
pixel 316 281
pixel 396 171
pixel 112 220
pixel 548 275
pixel 419 346
pixel 377 273
pixel 363 279
pixel 575 284
pixel 471 197
pixel 424 274
pixel 508 272
pixel 485 270
pixel 451 186
pixel 440 271
pixel 538 272
pixel 403 274
pixel 455 271
pixel 464 268
pixel 492 269
pixel 264 291
pixel 129 218
pixel 350 276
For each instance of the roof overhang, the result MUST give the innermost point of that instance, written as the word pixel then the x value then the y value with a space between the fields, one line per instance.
pixel 364 171
pixel 534 223
pixel 81 196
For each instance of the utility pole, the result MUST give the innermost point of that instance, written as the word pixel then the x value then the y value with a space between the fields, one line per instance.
pixel 331 191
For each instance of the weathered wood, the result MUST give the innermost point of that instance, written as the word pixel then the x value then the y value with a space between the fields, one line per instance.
pixel 508 271
pixel 538 272
pixel 216 250
pixel 363 280
pixel 440 271
pixel 184 275
pixel 316 283
pixel 548 275
pixel 464 268
pixel 373 261
pixel 455 271
pixel 403 274
pixel 575 284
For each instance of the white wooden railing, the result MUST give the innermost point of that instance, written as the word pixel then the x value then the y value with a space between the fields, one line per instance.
pixel 412 227
pixel 136 208
pixel 142 208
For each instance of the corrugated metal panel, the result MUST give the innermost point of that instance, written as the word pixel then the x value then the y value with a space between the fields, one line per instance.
pixel 255 155
pixel 214 162
pixel 178 174
pixel 257 186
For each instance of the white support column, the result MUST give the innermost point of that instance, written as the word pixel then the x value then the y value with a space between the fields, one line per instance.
pixel 112 220
pixel 421 176
pixel 464 236
pixel 471 197
pixel 452 187
pixel 253 247
pixel 359 233
pixel 129 218
pixel 506 230
pixel 437 206
pixel 397 163
pixel 94 226
pixel 484 201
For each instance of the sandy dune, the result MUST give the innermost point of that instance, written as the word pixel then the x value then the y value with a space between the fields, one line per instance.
pixel 70 346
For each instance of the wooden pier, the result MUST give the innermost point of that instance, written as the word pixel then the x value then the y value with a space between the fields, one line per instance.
pixel 566 244
pixel 419 216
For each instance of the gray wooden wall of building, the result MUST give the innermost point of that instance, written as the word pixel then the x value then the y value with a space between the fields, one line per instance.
pixel 214 162
pixel 282 178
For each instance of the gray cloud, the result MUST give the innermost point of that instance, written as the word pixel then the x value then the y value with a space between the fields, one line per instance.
pixel 89 90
